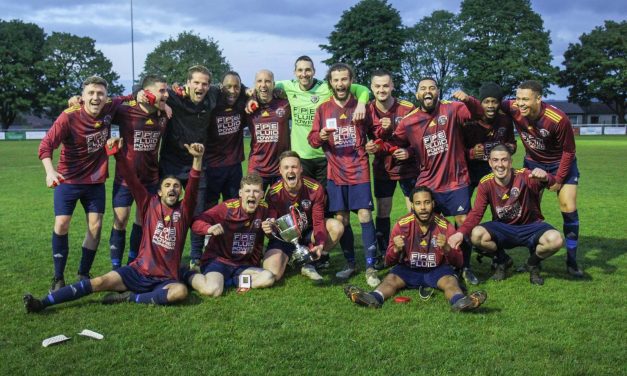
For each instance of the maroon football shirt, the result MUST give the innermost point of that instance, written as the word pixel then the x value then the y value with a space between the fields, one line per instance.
pixel 270 136
pixel 225 141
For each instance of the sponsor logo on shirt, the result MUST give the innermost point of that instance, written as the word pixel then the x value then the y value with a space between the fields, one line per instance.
pixel 228 124
pixel 533 142
pixel 345 137
pixel 423 260
pixel 435 143
pixel 243 243
pixel 164 236
pixel 96 141
pixel 267 132
pixel 508 213
pixel 146 140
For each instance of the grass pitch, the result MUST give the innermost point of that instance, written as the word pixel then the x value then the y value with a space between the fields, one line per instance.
pixel 564 327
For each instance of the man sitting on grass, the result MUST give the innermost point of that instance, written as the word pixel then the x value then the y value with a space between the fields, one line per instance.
pixel 418 245
pixel 152 278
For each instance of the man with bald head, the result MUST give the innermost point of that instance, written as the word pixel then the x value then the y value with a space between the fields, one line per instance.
pixel 269 130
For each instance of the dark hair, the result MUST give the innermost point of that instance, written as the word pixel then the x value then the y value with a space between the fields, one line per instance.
pixel 152 79
pixel 252 179
pixel 303 58
pixel 231 73
pixel 532 85
pixel 168 177
pixel 501 147
pixel 95 80
pixel 288 154
pixel 380 73
pixel 420 188
pixel 339 67
pixel 198 69
pixel 427 78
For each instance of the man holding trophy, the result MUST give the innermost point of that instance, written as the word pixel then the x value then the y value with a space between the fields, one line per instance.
pixel 297 203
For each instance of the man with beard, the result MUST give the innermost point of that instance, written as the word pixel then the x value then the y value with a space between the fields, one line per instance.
pixel 433 134
pixel 343 140
pixel 235 244
pixel 141 127
pixel 152 278
pixel 514 198
pixel 549 142
pixel 81 172
pixel 423 257
pixel 269 130
pixel 307 195
pixel 192 106
pixel 386 112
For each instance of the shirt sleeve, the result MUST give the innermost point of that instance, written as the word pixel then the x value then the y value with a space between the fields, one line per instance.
pixel 191 193
pixel 208 218
pixel 565 138
pixel 361 93
pixel 317 215
pixel 391 256
pixel 55 135
pixel 454 256
pixel 478 210
pixel 314 135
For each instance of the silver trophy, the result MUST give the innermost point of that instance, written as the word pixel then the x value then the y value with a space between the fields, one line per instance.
pixel 289 228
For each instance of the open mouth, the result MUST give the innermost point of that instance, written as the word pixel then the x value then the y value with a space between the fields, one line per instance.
pixel 291 178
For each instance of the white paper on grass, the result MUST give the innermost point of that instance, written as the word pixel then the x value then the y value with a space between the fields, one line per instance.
pixel 54 340
pixel 91 334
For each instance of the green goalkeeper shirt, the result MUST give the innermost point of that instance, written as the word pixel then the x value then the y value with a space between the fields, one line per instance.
pixel 304 104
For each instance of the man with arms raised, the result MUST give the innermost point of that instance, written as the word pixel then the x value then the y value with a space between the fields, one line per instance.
pixel 386 112
pixel 235 244
pixel 80 175
pixel 269 130
pixel 343 140
pixel 424 259
pixel 152 278
pixel 308 196
pixel 141 128
pixel 514 198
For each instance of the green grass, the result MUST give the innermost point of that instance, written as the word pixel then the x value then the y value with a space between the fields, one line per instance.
pixel 564 327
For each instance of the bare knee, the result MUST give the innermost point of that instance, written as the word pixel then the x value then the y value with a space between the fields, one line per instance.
pixel 62 224
pixel 365 215
pixel 552 240
pixel 264 279
pixel 176 292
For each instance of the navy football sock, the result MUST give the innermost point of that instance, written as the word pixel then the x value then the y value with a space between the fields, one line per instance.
pixel 501 256
pixel 159 296
pixel 369 241
pixel 571 232
pixel 455 298
pixel 68 293
pixel 134 242
pixel 534 260
pixel 466 252
pixel 383 232
pixel 60 250
pixel 117 242
pixel 87 259
pixel 377 295
pixel 347 242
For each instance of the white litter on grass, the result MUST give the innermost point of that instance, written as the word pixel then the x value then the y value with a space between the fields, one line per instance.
pixel 91 334
pixel 54 340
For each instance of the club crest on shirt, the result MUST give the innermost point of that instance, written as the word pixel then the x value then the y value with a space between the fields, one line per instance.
pixel 442 120
pixel 514 192
pixel 306 204
pixel 257 223
pixel 544 133
pixel 176 216
pixel 501 132
pixel 107 120
pixel 280 112
pixel 397 119
pixel 315 99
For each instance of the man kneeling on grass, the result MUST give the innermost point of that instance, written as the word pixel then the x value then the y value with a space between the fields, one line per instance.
pixel 418 245
pixel 235 242
pixel 152 278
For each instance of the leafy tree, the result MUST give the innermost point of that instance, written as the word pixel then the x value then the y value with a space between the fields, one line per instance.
pixel 596 67
pixel 369 36
pixel 68 61
pixel 173 57
pixel 432 50
pixel 20 48
pixel 504 42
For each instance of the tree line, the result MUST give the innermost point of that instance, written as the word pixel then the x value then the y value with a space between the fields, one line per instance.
pixel 503 41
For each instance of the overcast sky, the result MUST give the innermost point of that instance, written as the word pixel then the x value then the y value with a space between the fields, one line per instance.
pixel 255 34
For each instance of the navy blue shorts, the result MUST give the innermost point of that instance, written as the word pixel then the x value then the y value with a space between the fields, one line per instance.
pixel 288 248
pixel 428 277
pixel 122 196
pixel 227 271
pixel 139 283
pixel 92 198
pixel 349 197
pixel 452 203
pixel 222 181
pixel 571 178
pixel 386 187
pixel 511 236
